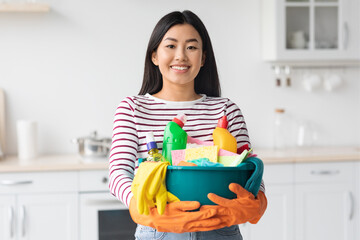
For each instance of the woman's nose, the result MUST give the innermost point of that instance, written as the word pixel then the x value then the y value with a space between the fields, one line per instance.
pixel 180 55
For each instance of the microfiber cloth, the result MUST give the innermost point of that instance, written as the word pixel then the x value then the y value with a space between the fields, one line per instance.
pixel 205 162
pixel 254 182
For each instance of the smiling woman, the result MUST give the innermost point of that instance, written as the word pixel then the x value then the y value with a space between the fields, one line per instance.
pixel 180 77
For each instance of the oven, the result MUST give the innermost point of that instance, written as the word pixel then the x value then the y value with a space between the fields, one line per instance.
pixel 102 216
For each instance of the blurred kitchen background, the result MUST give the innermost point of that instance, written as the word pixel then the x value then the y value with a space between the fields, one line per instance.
pixel 67 69
pixel 292 66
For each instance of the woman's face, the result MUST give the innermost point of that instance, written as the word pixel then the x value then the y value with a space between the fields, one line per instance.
pixel 179 55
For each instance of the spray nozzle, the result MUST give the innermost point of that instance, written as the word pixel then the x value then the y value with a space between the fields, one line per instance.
pixel 180 119
pixel 223 123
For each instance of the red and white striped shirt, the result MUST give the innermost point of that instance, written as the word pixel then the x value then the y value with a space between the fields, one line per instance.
pixel 137 115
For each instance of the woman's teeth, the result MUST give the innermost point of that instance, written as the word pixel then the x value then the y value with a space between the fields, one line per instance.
pixel 179 68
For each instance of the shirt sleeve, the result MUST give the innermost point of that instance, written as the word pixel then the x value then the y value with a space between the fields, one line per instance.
pixel 123 151
pixel 237 127
pixel 236 124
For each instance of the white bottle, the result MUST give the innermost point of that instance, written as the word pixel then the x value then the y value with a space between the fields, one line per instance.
pixel 279 129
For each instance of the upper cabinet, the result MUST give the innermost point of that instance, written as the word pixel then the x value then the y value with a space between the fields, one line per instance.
pixel 310 30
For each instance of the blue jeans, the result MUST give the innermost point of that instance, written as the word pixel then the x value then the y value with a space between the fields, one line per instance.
pixel 227 233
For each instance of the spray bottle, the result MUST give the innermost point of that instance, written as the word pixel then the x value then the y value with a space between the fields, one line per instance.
pixel 175 137
pixel 153 151
pixel 223 138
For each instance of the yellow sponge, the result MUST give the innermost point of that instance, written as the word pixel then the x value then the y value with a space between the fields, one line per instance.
pixel 210 152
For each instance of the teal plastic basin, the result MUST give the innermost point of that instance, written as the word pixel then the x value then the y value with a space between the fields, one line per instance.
pixel 194 183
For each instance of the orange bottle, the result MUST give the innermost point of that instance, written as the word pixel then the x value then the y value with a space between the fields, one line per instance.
pixel 223 138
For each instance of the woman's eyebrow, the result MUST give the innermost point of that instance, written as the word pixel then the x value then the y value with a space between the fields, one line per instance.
pixel 192 40
pixel 175 40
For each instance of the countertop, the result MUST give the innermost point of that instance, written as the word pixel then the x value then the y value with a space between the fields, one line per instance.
pixel 74 162
pixel 309 154
pixel 60 162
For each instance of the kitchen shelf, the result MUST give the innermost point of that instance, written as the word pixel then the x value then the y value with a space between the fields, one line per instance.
pixel 26 7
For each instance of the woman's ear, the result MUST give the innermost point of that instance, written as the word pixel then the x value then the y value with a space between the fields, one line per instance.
pixel 154 58
pixel 203 59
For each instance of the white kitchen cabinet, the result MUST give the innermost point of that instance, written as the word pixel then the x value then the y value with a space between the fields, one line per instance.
pixel 325 201
pixel 39 206
pixel 48 215
pixel 310 30
pixel 357 197
pixel 325 211
pixel 308 201
pixel 278 220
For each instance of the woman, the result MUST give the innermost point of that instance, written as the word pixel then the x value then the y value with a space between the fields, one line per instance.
pixel 180 76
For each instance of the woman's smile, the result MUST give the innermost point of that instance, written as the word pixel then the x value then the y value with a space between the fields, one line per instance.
pixel 180 68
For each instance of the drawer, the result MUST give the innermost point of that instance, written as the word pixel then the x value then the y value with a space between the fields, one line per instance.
pixel 278 173
pixel 325 172
pixel 38 182
pixel 94 180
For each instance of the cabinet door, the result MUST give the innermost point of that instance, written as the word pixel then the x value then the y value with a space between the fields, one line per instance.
pixel 48 216
pixel 324 211
pixel 278 220
pixel 300 30
pixel 7 217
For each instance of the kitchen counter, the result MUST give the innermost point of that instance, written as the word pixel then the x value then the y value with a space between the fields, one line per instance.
pixel 52 163
pixel 269 156
pixel 309 154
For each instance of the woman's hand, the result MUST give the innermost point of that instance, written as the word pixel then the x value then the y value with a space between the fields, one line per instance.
pixel 244 208
pixel 179 217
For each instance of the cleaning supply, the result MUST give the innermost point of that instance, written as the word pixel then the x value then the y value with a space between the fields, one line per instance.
pixel 179 217
pixel 149 187
pixel 210 152
pixel 223 138
pixel 241 158
pixel 175 137
pixel 153 151
pixel 186 163
pixel 205 162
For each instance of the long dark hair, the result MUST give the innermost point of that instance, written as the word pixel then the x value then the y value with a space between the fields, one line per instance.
pixel 207 81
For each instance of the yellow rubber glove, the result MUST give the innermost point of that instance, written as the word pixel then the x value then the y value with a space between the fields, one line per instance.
pixel 149 187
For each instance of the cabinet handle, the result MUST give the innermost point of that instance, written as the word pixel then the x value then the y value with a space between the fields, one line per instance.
pixel 11 221
pixel 11 182
pixel 23 221
pixel 346 35
pixel 325 172
pixel 352 206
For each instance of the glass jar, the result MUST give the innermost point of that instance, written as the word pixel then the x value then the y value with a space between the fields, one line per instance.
pixel 279 129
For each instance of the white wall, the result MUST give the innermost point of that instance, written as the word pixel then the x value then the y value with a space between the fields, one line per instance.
pixel 68 70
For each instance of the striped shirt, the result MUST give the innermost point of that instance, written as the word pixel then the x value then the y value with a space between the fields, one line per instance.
pixel 137 115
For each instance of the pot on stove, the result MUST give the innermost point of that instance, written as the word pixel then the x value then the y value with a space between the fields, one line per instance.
pixel 92 147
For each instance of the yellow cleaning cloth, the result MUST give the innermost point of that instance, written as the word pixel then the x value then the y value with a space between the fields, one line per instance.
pixel 210 152
pixel 149 187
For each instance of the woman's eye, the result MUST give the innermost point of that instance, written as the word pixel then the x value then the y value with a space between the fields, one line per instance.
pixel 170 46
pixel 192 47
